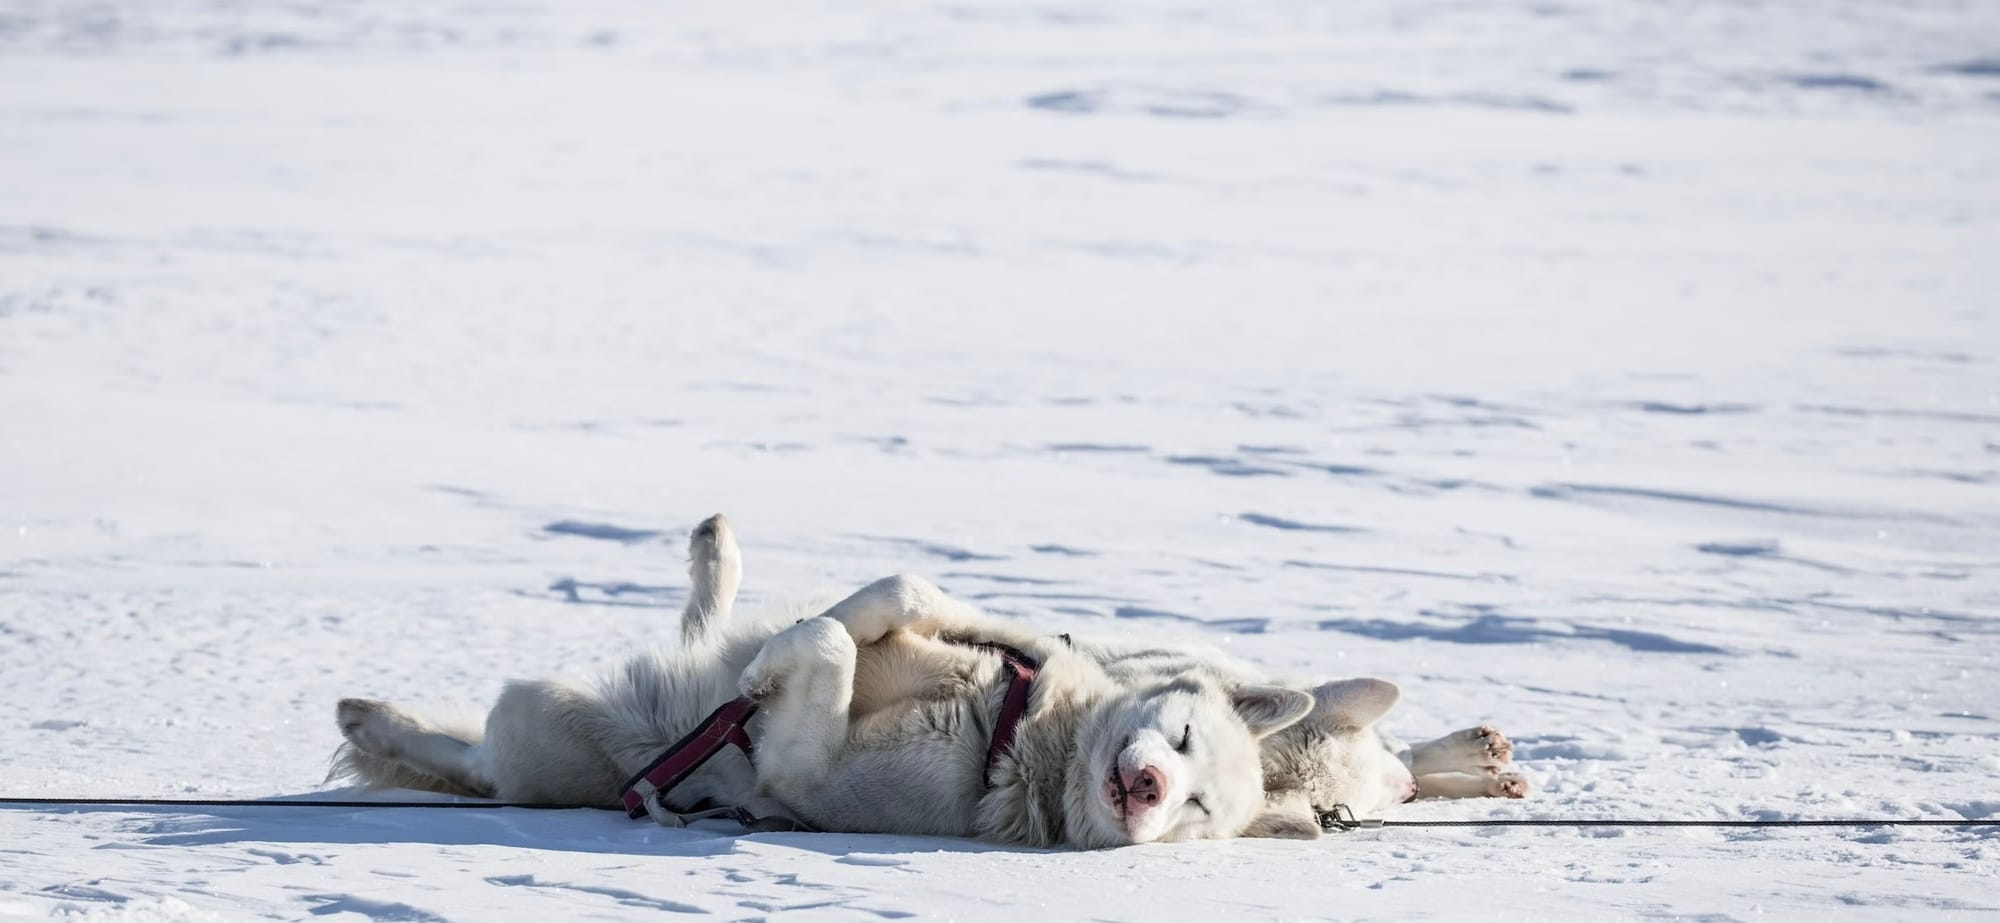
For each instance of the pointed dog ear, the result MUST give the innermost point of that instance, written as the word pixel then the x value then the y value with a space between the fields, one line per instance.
pixel 1355 703
pixel 1269 709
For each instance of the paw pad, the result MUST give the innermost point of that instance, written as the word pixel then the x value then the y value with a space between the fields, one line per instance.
pixel 1498 748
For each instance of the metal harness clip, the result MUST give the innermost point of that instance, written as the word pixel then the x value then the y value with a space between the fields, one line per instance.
pixel 1341 817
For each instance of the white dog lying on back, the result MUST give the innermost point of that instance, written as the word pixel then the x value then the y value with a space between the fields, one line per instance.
pixel 871 720
pixel 1153 744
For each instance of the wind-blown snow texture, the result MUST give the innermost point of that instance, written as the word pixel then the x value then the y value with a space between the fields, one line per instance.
pixel 1624 374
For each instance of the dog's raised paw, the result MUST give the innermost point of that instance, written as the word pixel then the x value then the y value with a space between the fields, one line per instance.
pixel 759 681
pixel 1508 785
pixel 810 643
pixel 712 544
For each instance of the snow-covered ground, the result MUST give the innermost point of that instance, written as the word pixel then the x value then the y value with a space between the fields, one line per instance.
pixel 1626 374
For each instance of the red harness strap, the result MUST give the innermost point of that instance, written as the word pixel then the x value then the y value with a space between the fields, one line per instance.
pixel 725 726
pixel 722 727
pixel 1013 706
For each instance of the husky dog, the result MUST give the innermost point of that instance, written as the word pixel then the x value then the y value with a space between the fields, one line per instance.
pixel 873 719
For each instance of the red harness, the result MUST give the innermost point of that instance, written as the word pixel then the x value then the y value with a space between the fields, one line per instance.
pixel 722 727
pixel 646 793
pixel 1013 706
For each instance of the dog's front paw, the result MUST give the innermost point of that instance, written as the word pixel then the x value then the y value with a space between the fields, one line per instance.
pixel 889 604
pixel 759 681
pixel 809 643
pixel 1507 785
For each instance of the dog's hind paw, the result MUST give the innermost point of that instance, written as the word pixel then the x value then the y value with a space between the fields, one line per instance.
pixel 713 543
pixel 1481 750
pixel 1499 751
pixel 368 724
pixel 352 713
pixel 1508 785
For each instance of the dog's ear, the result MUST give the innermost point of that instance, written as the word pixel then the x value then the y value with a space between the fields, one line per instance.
pixel 1354 703
pixel 1269 709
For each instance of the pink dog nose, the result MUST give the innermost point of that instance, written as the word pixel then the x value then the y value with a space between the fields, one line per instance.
pixel 1143 787
pixel 1132 794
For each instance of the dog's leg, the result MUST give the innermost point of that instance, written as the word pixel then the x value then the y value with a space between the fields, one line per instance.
pixel 1466 785
pixel 715 571
pixel 803 680
pixel 1480 751
pixel 385 732
pixel 917 605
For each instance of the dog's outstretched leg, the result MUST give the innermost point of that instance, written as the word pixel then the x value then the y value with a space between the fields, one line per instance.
pixel 906 602
pixel 1467 764
pixel 1464 785
pixel 401 749
pixel 715 571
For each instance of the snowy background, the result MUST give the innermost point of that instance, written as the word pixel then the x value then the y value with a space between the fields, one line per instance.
pixel 1626 374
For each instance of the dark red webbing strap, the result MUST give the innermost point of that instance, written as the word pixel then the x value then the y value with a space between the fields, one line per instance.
pixel 1013 706
pixel 725 726
pixel 722 727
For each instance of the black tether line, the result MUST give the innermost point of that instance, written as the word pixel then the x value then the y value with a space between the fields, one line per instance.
pixel 274 803
pixel 1331 824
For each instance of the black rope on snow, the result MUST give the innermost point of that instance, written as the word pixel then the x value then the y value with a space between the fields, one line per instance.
pixel 273 803
pixel 1339 818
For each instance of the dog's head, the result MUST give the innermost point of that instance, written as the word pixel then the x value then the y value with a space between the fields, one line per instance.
pixel 1176 760
pixel 1336 756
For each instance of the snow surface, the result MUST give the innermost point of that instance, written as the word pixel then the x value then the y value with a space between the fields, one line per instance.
pixel 1621 373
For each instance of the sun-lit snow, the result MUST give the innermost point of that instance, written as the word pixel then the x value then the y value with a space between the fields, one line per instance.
pixel 1624 374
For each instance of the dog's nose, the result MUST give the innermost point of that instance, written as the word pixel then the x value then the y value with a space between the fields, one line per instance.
pixel 1143 787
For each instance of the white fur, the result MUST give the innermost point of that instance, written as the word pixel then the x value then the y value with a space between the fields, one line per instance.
pixel 867 702
pixel 874 718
